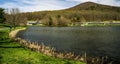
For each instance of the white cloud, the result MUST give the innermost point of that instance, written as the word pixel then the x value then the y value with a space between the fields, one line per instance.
pixel 43 5
pixel 38 5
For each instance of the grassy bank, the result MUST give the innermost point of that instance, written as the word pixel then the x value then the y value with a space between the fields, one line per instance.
pixel 13 53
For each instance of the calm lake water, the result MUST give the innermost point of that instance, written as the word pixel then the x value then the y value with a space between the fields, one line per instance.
pixel 96 41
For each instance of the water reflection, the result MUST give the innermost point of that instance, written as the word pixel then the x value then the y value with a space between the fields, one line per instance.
pixel 96 41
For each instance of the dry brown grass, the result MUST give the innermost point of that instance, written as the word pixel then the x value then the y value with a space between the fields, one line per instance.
pixel 41 48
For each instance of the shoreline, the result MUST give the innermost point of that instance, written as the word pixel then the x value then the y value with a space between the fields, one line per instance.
pixel 41 48
pixel 49 51
pixel 13 33
pixel 12 52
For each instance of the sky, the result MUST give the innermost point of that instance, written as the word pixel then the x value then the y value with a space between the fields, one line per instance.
pixel 43 5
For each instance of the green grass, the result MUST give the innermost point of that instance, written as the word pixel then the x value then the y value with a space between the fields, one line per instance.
pixel 13 53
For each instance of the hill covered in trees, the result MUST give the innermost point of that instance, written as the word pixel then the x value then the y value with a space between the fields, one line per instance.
pixel 94 6
pixel 84 12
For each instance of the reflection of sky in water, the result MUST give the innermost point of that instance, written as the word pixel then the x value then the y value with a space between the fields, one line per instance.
pixel 100 41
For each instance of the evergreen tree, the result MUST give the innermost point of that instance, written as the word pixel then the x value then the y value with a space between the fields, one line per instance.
pixel 2 18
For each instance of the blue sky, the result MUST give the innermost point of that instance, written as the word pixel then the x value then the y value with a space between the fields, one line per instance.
pixel 40 5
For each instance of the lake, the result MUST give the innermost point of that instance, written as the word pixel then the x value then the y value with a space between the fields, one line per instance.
pixel 95 41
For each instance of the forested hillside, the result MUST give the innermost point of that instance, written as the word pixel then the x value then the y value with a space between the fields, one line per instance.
pixel 84 12
pixel 95 6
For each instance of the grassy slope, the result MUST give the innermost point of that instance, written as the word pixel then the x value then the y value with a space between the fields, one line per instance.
pixel 13 53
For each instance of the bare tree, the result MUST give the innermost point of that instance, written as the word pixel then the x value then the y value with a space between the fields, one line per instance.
pixel 14 13
pixel 15 18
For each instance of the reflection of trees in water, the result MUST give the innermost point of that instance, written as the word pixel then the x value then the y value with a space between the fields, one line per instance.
pixel 96 41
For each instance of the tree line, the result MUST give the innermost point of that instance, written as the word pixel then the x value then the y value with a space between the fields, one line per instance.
pixel 15 17
pixel 62 18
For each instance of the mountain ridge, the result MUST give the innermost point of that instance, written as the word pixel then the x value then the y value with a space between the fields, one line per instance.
pixel 84 12
pixel 94 6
